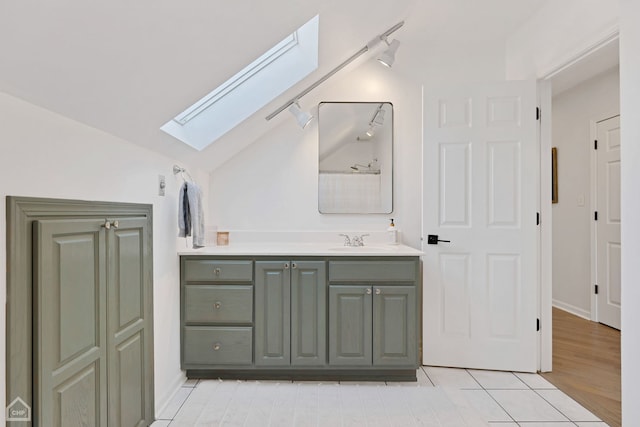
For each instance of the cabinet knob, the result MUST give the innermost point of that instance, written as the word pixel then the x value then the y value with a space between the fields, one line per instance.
pixel 286 265
pixel 294 265
pixel 216 346
pixel 378 291
pixel 217 271
pixel 368 291
pixel 217 305
pixel 108 224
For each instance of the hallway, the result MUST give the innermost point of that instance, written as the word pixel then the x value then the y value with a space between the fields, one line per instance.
pixel 586 364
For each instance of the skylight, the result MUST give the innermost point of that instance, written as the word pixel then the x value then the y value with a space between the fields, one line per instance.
pixel 250 89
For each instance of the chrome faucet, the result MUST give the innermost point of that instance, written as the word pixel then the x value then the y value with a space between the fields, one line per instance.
pixel 358 240
pixel 354 241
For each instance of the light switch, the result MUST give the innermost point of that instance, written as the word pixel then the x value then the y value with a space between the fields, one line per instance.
pixel 162 184
pixel 581 200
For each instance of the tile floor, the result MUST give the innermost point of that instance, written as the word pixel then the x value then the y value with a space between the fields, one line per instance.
pixel 440 397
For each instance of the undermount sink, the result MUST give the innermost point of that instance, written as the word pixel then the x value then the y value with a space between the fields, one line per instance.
pixel 385 248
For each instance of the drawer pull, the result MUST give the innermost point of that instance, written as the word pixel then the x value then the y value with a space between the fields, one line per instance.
pixel 216 346
pixel 217 271
pixel 217 305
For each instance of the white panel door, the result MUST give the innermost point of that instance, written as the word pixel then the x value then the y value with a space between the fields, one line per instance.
pixel 608 224
pixel 481 163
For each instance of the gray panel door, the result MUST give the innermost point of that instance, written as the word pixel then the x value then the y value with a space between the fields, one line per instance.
pixel 308 313
pixel 273 313
pixel 70 324
pixel 394 325
pixel 350 329
pixel 129 324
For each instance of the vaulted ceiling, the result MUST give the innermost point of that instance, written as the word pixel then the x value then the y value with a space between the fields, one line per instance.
pixel 127 67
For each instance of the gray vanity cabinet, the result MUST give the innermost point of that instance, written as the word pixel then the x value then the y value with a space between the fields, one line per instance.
pixel 394 326
pixel 217 313
pixel 323 318
pixel 273 315
pixel 308 313
pixel 350 332
pixel 374 323
pixel 290 313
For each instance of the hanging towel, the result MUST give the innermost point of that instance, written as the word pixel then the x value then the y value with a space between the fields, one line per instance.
pixel 190 214
pixel 184 215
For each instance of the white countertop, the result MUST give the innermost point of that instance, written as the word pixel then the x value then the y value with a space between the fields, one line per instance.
pixel 303 249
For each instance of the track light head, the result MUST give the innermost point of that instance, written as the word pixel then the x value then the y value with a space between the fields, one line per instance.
pixel 389 55
pixel 302 117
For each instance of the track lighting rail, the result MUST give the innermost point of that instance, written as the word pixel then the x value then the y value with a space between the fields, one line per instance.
pixel 367 47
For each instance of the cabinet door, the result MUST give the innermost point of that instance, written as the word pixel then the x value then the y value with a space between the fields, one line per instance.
pixel 129 323
pixel 70 323
pixel 273 313
pixel 394 326
pixel 308 313
pixel 350 328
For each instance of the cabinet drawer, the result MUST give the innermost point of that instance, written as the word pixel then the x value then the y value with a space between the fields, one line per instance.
pixel 218 271
pixel 372 271
pixel 217 345
pixel 218 303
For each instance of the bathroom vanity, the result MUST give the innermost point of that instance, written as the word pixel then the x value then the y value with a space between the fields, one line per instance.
pixel 301 312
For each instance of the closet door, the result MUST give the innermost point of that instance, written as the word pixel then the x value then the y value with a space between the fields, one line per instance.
pixel 129 323
pixel 70 316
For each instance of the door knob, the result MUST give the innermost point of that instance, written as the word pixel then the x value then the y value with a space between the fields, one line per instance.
pixel 432 239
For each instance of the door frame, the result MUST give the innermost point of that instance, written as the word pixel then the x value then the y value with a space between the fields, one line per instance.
pixel 593 159
pixel 21 214
pixel 545 240
pixel 561 63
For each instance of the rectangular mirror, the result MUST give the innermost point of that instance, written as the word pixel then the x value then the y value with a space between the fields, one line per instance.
pixel 355 157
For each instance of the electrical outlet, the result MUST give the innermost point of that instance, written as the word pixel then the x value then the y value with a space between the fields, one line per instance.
pixel 162 184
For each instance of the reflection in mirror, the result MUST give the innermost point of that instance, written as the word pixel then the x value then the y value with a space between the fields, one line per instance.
pixel 355 157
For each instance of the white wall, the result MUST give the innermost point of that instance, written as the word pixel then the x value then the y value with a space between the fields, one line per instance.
pixel 272 185
pixel 558 31
pixel 573 110
pixel 630 133
pixel 46 155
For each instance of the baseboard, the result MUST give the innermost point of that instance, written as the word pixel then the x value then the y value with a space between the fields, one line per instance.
pixel 163 401
pixel 585 314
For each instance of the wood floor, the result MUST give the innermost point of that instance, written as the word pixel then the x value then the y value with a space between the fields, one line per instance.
pixel 586 365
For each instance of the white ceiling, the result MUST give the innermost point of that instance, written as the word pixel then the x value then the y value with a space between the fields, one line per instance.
pixel 127 67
